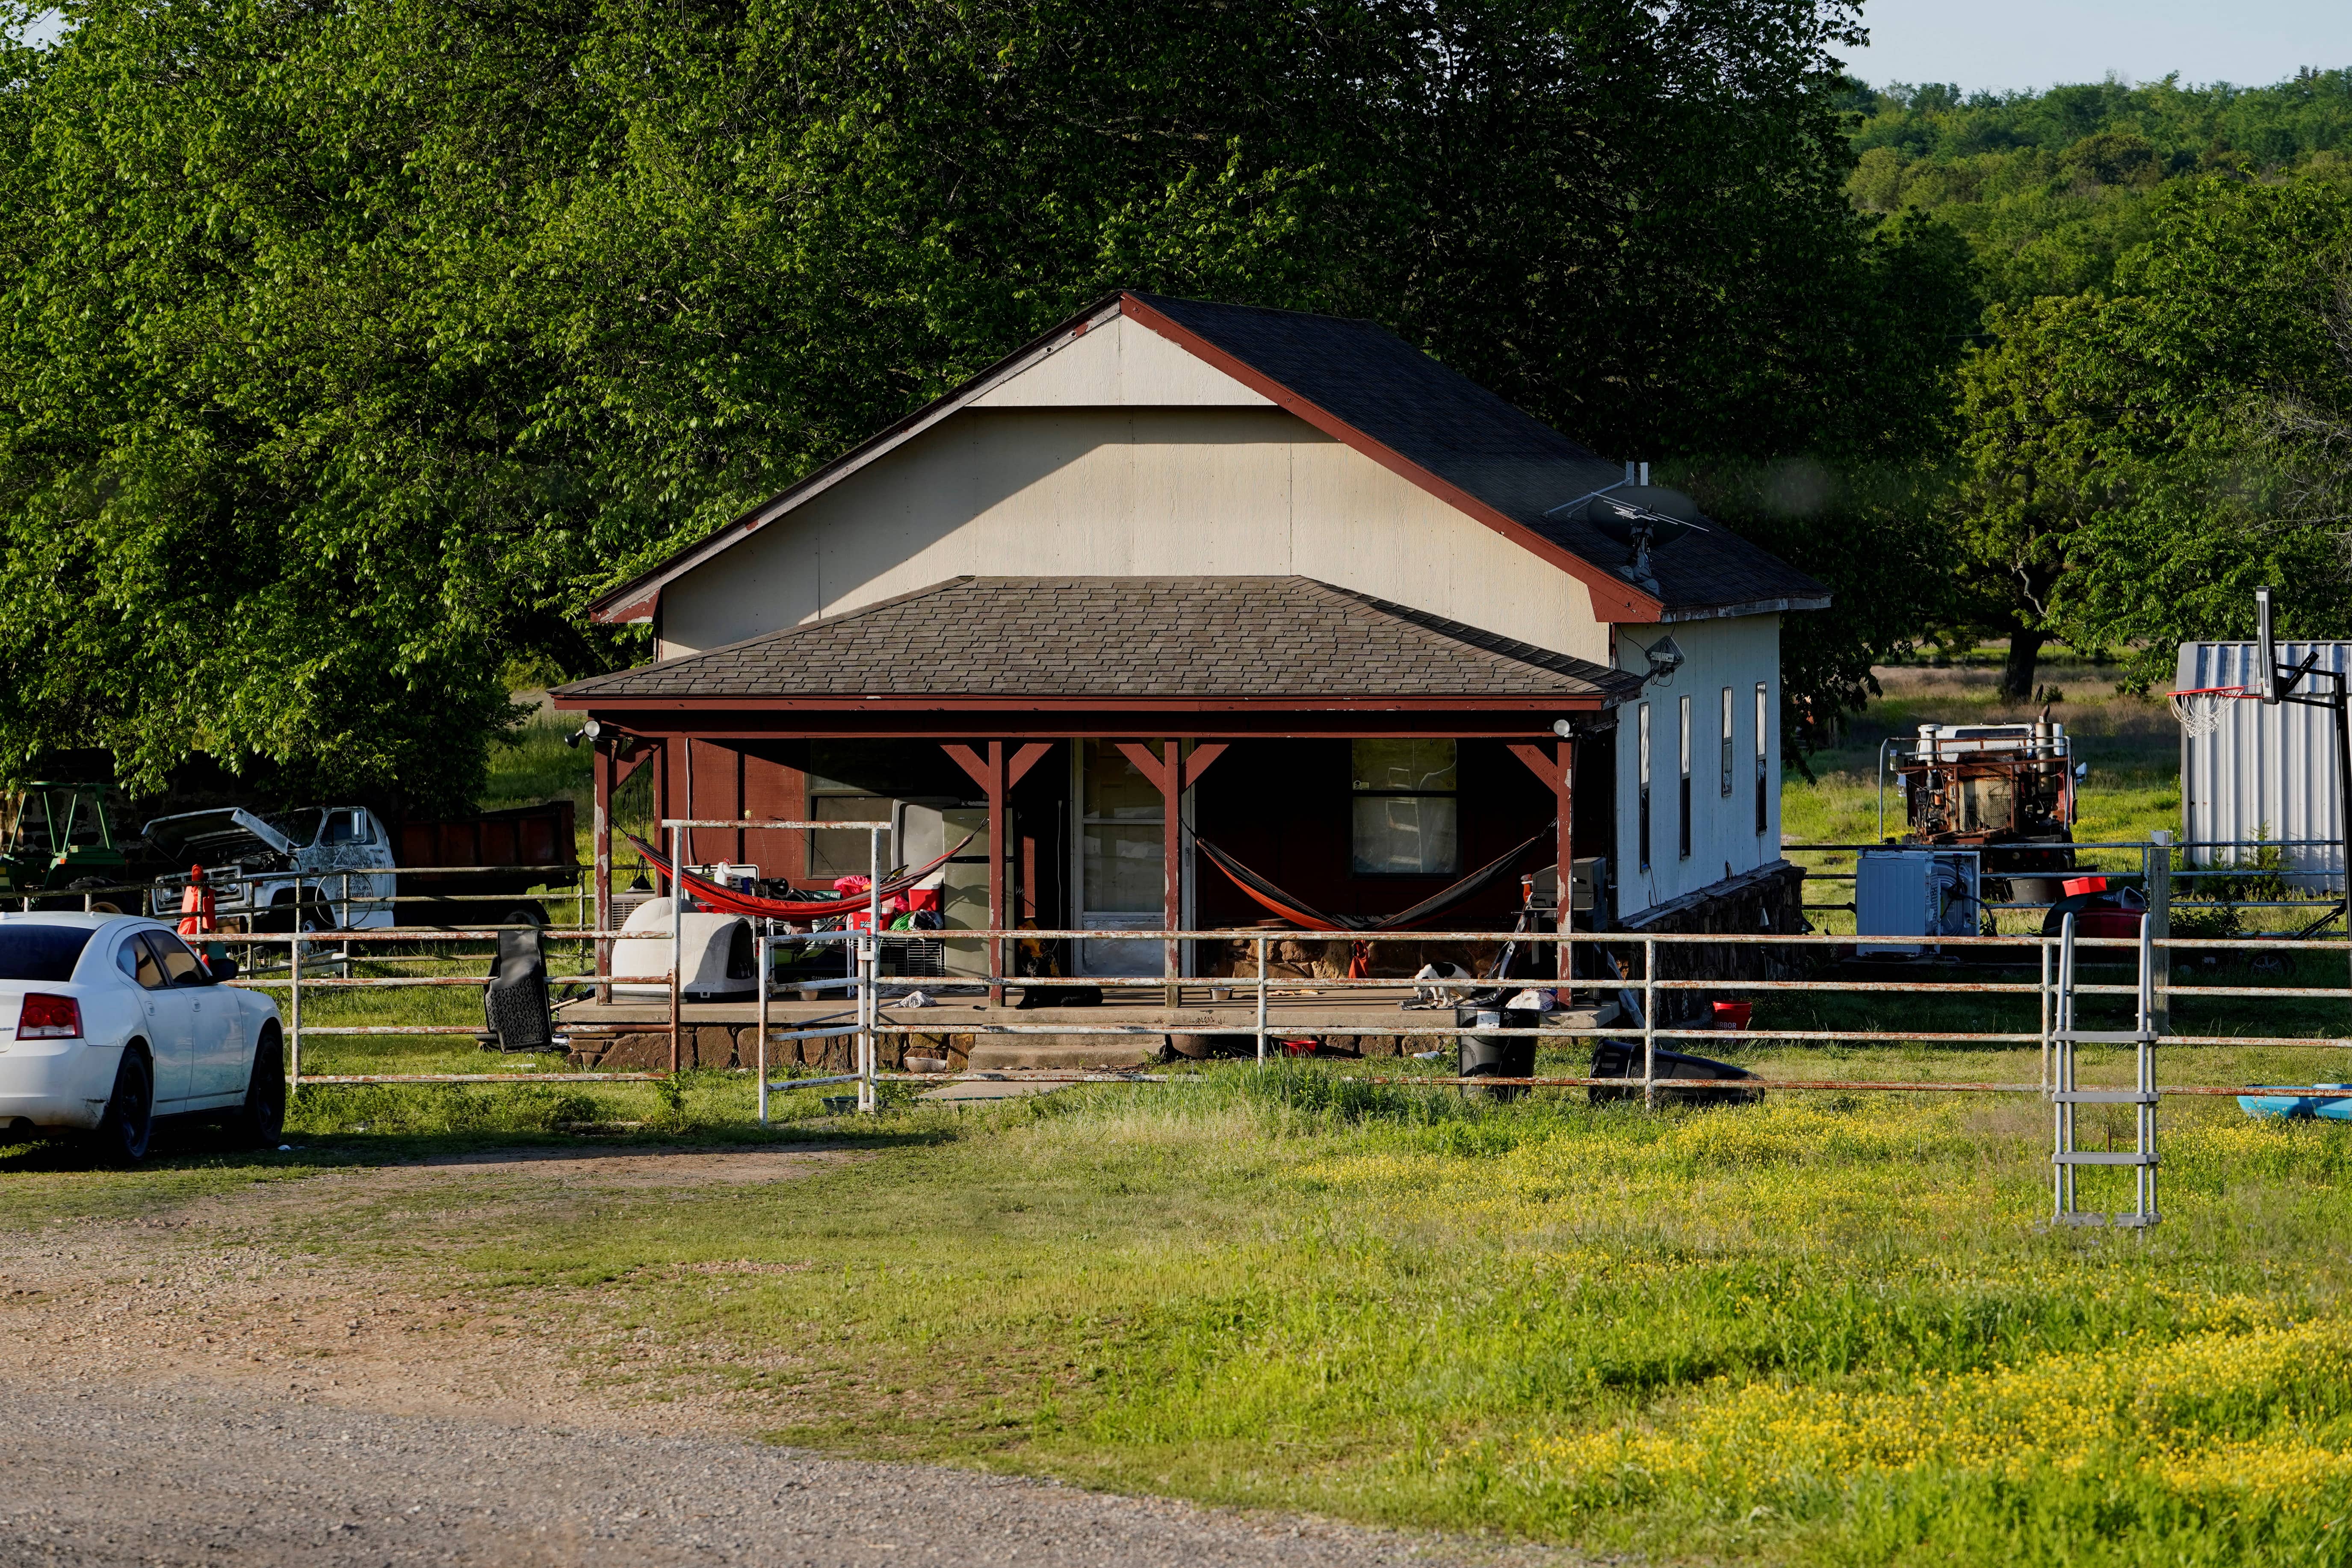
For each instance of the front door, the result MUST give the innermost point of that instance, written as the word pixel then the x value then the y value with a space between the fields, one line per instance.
pixel 1121 886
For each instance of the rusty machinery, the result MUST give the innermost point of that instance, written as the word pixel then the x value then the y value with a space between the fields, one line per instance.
pixel 2006 790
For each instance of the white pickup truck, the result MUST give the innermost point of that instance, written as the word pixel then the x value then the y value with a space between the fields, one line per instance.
pixel 340 858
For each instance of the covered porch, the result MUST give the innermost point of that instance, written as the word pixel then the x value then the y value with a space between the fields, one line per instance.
pixel 1101 754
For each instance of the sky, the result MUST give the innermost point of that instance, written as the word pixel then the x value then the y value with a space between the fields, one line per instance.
pixel 2040 43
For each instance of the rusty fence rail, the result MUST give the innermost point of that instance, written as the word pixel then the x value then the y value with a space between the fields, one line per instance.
pixel 1639 958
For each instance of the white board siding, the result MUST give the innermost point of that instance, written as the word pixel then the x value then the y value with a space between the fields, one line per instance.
pixel 2266 772
pixel 1120 364
pixel 1737 652
pixel 1200 490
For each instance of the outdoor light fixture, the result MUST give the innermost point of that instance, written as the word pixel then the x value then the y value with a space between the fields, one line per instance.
pixel 587 732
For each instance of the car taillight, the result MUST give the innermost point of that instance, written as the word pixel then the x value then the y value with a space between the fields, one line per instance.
pixel 48 1018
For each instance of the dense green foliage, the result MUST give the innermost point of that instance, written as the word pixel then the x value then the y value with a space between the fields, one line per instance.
pixel 2053 188
pixel 2152 422
pixel 349 349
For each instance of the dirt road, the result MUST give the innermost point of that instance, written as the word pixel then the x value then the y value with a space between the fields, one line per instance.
pixel 173 1393
pixel 94 1477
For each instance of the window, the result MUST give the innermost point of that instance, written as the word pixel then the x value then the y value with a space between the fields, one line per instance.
pixel 1763 728
pixel 45 953
pixel 847 853
pixel 1120 818
pixel 1726 742
pixel 1642 717
pixel 1405 808
pixel 1685 754
pixel 180 965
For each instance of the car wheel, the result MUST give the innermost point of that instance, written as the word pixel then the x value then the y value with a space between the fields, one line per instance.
pixel 129 1120
pixel 263 1120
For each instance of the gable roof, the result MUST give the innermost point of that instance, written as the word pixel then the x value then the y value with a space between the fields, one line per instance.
pixel 1364 386
pixel 1274 639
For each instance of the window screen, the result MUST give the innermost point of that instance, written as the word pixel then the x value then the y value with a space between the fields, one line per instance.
pixel 850 852
pixel 1641 725
pixel 1682 752
pixel 1763 728
pixel 1726 742
pixel 1405 799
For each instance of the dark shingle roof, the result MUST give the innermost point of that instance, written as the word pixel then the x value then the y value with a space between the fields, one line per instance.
pixel 1458 430
pixel 1115 637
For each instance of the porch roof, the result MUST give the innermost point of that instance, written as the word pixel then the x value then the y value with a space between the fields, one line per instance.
pixel 1017 639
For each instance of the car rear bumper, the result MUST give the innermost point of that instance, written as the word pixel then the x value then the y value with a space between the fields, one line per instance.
pixel 56 1083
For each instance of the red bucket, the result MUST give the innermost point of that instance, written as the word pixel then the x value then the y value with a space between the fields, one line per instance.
pixel 1734 1015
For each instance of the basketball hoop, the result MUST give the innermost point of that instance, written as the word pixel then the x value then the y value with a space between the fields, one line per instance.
pixel 2200 710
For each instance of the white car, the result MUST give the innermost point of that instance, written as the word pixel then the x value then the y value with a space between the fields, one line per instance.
pixel 109 1021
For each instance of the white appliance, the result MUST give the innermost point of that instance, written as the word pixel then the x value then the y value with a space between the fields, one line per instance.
pixel 1914 892
pixel 717 955
pixel 926 832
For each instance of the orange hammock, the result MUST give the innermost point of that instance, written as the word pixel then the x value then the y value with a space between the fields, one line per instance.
pixel 1299 912
pixel 727 901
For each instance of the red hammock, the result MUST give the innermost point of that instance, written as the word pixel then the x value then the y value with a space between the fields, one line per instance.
pixel 710 895
pixel 1301 913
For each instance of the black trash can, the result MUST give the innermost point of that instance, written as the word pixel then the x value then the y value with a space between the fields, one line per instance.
pixel 1496 1056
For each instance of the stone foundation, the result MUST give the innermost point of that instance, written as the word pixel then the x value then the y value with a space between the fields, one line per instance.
pixel 736 1046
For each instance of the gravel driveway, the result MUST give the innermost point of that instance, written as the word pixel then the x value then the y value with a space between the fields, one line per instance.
pixel 200 1476
pixel 174 1394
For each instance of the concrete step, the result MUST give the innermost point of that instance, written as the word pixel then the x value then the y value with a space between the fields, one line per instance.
pixel 992 1053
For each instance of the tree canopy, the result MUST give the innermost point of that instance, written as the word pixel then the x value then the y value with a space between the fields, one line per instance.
pixel 2145 430
pixel 350 348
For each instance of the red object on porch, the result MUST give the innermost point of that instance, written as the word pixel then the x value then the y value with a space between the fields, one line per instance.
pixel 727 901
pixel 2108 922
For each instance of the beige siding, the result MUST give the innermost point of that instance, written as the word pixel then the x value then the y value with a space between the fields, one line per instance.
pixel 1117 366
pixel 1068 490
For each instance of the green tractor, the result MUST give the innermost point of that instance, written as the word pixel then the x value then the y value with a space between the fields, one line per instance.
pixel 56 839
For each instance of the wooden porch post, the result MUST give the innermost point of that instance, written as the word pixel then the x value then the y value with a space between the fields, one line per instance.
pixel 661 808
pixel 1173 773
pixel 1557 768
pixel 601 831
pixel 997 774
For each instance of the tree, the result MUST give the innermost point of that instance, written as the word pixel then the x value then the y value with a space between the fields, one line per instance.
pixel 350 349
pixel 2047 409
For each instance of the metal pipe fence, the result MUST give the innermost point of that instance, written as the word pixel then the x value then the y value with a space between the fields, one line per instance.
pixel 1638 989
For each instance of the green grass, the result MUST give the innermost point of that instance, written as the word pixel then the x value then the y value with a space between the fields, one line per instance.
pixel 1828 1329
pixel 1825 1330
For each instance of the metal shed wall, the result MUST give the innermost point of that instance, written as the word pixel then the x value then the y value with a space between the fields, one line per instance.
pixel 2266 771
